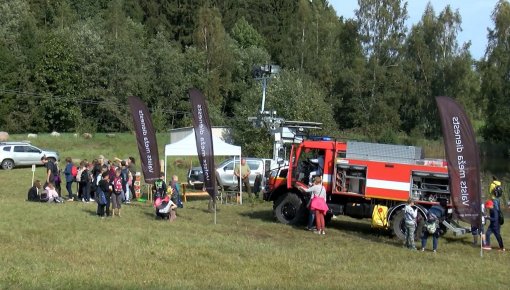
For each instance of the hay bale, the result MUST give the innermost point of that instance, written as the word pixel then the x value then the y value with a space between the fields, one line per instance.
pixel 31 136
pixel 110 135
pixel 4 136
pixel 87 135
pixel 55 134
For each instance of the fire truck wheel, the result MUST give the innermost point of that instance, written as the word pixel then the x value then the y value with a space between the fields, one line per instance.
pixel 398 227
pixel 289 209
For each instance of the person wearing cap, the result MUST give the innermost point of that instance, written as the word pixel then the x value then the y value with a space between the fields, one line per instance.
pixel 494 227
pixel 410 215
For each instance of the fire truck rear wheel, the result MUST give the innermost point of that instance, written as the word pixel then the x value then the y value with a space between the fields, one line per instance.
pixel 289 209
pixel 398 227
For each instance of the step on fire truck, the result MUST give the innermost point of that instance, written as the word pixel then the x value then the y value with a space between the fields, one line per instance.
pixel 363 180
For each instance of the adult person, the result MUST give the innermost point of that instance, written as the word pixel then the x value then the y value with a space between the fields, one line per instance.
pixel 410 215
pixel 494 227
pixel 242 172
pixel 69 177
pixel 51 170
pixel 318 204
pixel 435 216
pixel 319 166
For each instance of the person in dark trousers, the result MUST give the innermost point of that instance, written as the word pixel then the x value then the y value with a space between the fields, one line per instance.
pixel 132 169
pixel 104 188
pixel 51 170
pixel 69 177
pixel 85 183
pixel 494 227
pixel 436 214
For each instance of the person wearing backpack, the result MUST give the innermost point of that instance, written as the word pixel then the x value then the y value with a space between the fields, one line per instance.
pixel 68 173
pixel 435 215
pixel 103 195
pixel 494 227
pixel 495 192
pixel 117 193
pixel 85 181
pixel 410 215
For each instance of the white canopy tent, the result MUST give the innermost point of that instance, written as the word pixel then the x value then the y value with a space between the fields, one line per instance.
pixel 188 147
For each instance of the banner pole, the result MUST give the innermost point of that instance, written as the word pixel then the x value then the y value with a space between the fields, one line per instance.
pixel 481 244
pixel 215 212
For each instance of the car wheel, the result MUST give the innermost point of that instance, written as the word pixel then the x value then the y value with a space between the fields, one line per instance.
pixel 52 159
pixel 7 164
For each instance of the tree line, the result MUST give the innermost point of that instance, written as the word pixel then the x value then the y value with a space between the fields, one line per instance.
pixel 70 66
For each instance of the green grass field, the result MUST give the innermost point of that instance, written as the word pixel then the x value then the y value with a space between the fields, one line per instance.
pixel 65 246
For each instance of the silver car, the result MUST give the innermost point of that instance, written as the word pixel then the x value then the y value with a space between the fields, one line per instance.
pixel 258 166
pixel 13 154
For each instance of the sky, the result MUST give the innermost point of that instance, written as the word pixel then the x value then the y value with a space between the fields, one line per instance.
pixel 476 17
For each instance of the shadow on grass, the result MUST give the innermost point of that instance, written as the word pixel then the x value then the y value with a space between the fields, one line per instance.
pixel 364 231
pixel 263 215
pixel 90 211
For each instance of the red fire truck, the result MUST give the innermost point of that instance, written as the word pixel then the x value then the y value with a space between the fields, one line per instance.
pixel 363 180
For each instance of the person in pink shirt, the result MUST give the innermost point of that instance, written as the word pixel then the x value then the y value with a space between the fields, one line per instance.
pixel 52 193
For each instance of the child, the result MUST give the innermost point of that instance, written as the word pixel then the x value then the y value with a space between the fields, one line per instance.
pixel 52 193
pixel 33 192
pixel 410 215
pixel 165 208
pixel 318 204
pixel 176 196
pixel 494 227
pixel 103 195
pixel 117 192
pixel 69 177
pixel 85 182
pixel 159 189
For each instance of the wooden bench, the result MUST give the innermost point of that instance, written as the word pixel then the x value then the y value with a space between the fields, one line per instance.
pixel 186 193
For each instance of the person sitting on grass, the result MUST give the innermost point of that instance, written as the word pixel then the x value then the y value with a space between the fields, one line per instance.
pixel 52 193
pixel 33 192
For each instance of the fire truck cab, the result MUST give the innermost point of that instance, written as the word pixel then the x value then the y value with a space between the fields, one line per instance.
pixel 363 180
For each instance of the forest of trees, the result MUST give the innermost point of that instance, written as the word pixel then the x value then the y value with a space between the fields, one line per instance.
pixel 69 65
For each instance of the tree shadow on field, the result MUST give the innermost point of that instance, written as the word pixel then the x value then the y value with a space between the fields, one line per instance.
pixel 263 215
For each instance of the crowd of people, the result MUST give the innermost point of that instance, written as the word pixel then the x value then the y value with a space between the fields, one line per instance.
pixel 491 212
pixel 110 183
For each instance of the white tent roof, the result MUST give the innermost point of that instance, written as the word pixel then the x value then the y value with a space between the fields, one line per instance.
pixel 188 147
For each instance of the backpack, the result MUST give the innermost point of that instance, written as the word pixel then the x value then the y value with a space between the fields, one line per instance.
pixel 497 191
pixel 117 185
pixel 84 176
pixel 74 171
pixel 431 226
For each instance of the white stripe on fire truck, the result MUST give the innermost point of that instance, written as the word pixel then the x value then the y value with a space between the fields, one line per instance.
pixel 385 184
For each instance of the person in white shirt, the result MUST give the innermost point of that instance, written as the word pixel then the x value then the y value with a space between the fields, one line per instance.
pixel 410 215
